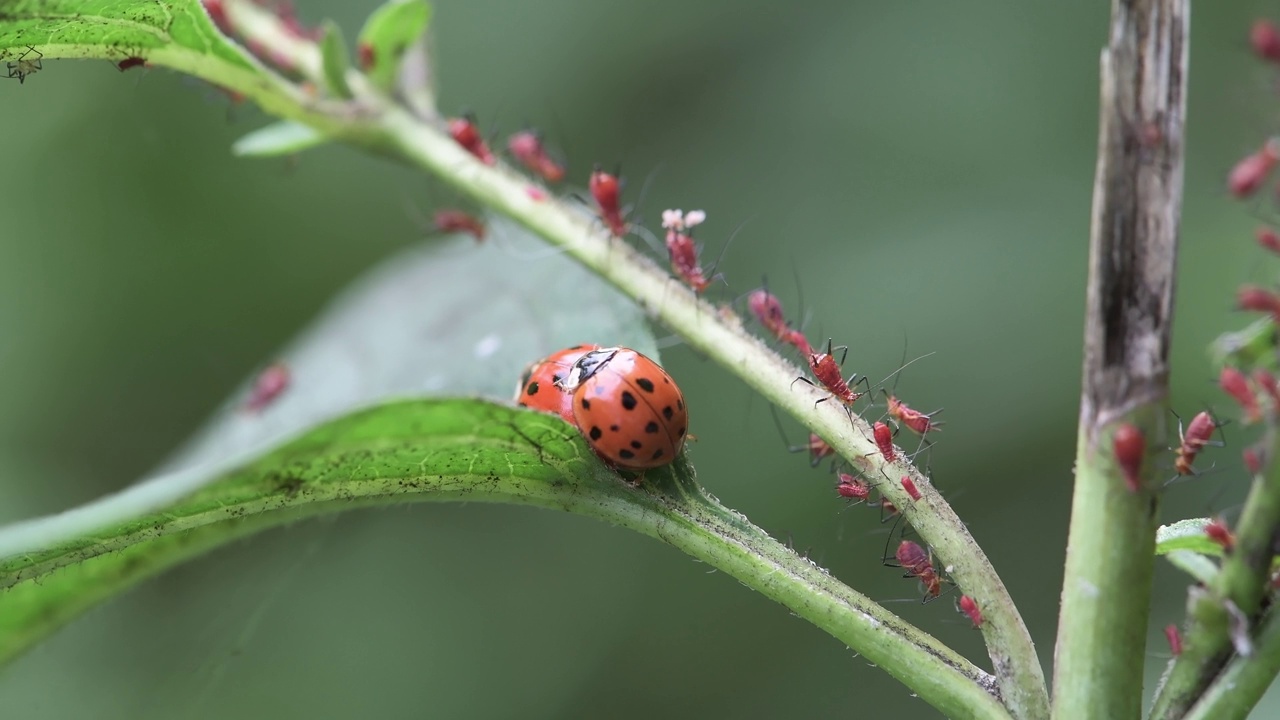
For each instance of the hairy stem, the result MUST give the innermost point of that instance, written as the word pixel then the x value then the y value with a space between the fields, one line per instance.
pixel 1133 250
pixel 1243 682
pixel 1243 581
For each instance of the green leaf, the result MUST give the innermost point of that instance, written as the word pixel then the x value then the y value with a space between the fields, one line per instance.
pixel 1186 535
pixel 409 451
pixel 336 59
pixel 1194 564
pixel 388 33
pixel 123 28
pixel 282 138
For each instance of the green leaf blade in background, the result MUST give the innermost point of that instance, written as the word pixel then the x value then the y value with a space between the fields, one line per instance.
pixel 388 33
pixel 409 451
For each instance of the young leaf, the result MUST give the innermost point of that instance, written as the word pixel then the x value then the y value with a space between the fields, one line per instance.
pixel 1186 535
pixel 388 33
pixel 333 51
pixel 282 138
pixel 1194 564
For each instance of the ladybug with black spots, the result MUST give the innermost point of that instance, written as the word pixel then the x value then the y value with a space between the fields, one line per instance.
pixel 540 383
pixel 628 407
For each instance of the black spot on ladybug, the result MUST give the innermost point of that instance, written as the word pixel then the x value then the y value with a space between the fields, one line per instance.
pixel 595 433
pixel 532 389
pixel 667 412
pixel 556 378
pixel 652 427
pixel 656 454
pixel 586 404
pixel 645 384
pixel 680 404
pixel 628 400
pixel 614 428
pixel 626 454
pixel 636 444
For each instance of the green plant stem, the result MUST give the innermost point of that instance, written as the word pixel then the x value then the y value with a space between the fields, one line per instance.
pixel 1243 682
pixel 469 450
pixel 1106 588
pixel 1244 580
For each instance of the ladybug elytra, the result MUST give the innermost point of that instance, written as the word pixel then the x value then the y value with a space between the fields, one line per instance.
pixel 540 383
pixel 628 407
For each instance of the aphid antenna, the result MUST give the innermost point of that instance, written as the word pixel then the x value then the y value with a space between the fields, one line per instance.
pixel 649 238
pixel 902 367
pixel 637 207
pixel 716 266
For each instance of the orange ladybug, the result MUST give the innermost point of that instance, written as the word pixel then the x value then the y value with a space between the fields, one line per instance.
pixel 540 384
pixel 628 407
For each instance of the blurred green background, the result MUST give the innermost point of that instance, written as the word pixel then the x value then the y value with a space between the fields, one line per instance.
pixel 925 167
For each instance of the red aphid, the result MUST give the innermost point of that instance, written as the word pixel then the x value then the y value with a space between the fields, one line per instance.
pixel 910 486
pixel 684 261
pixel 827 371
pixel 268 386
pixel 1265 39
pixel 1256 299
pixel 1235 384
pixel 366 56
pixel 1267 382
pixel 130 63
pixel 888 508
pixel 1249 174
pixel 767 310
pixel 818 450
pixel 1268 239
pixel 526 146
pixel 918 422
pixel 1218 532
pixel 452 221
pixel 853 488
pixel 293 26
pixel 1252 460
pixel 463 130
pixel 884 441
pixel 1175 639
pixel 535 194
pixel 1194 438
pixel 918 564
pixel 604 189
pixel 969 607
pixel 1130 447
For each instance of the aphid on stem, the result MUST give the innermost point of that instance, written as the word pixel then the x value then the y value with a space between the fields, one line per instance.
pixel 853 488
pixel 884 441
pixel 22 67
pixel 817 448
pixel 1219 533
pixel 767 310
pixel 1256 299
pixel 681 248
pixel 1175 639
pixel 463 130
pixel 1235 384
pixel 1252 457
pixel 1265 39
pixel 1130 447
pixel 1268 239
pixel 969 608
pixel 909 486
pixel 526 146
pixel 605 189
pixel 1265 380
pixel 919 564
pixel 1193 441
pixel 1249 174
pixel 827 371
